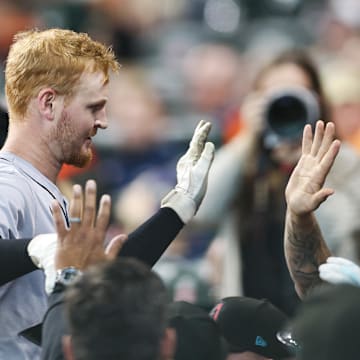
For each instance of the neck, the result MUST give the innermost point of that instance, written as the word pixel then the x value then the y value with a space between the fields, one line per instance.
pixel 32 147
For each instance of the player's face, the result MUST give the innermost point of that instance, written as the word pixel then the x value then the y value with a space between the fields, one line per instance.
pixel 80 119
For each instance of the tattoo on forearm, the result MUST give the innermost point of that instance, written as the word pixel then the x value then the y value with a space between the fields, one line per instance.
pixel 304 253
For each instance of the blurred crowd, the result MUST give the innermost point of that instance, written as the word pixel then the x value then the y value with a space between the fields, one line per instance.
pixel 186 60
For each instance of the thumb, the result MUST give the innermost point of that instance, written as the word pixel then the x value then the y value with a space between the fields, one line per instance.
pixel 115 246
pixel 322 195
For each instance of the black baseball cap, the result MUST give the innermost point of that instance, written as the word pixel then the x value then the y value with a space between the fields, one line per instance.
pixel 198 337
pixel 250 324
pixel 327 324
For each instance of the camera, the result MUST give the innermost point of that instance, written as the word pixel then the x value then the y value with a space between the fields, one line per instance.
pixel 286 113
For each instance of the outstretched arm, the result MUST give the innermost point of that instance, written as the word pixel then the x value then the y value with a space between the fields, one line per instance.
pixel 305 248
pixel 151 239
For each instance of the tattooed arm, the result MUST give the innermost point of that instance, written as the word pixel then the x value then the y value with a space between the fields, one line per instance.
pixel 305 248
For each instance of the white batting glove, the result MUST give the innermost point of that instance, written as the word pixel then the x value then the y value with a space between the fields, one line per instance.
pixel 192 172
pixel 338 270
pixel 42 249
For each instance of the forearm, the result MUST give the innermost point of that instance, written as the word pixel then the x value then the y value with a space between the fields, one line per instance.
pixel 225 177
pixel 305 250
pixel 14 259
pixel 148 242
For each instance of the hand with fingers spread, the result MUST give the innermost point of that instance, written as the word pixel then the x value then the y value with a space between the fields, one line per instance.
pixel 305 247
pixel 80 245
pixel 305 192
pixel 192 173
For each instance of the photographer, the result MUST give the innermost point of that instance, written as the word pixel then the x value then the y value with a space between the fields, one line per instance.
pixel 257 162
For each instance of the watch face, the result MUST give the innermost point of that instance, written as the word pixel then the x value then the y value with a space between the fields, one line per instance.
pixel 68 275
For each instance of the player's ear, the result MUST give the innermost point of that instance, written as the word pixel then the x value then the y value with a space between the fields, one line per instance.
pixel 45 99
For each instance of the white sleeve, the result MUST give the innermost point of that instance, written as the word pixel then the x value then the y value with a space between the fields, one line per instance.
pixel 225 178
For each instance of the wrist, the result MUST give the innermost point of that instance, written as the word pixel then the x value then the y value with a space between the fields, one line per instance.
pixel 68 275
pixel 306 218
pixel 181 203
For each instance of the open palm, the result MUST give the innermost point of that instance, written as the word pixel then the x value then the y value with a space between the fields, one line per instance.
pixel 305 192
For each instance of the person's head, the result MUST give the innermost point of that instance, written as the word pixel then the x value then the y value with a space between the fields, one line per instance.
pixel 212 74
pixel 117 310
pixel 290 68
pixel 291 82
pixel 136 114
pixel 342 87
pixel 327 324
pixel 198 336
pixel 61 77
pixel 250 327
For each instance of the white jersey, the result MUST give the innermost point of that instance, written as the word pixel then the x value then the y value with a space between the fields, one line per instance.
pixel 25 211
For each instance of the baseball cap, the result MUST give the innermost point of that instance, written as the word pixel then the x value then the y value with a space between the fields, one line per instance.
pixel 250 324
pixel 327 324
pixel 197 334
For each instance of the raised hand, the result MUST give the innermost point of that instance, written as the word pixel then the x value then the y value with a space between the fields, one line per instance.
pixel 82 244
pixel 192 173
pixel 305 192
pixel 305 247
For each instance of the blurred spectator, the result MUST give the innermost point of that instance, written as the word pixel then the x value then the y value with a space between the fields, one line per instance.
pixel 246 184
pixel 15 15
pixel 130 22
pixel 215 80
pixel 342 87
pixel 137 118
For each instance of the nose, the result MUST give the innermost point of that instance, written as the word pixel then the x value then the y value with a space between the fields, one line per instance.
pixel 101 120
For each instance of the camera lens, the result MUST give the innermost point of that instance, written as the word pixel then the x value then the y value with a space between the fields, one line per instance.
pixel 287 112
pixel 287 116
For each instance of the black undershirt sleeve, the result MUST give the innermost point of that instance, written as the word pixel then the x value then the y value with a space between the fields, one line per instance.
pixel 14 259
pixel 149 241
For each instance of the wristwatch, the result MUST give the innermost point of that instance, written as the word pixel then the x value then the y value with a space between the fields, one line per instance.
pixel 67 275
